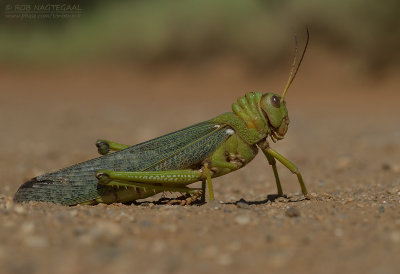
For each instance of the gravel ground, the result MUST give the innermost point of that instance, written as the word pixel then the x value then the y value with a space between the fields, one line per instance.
pixel 343 136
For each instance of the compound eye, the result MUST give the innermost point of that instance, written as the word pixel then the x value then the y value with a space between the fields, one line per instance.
pixel 275 101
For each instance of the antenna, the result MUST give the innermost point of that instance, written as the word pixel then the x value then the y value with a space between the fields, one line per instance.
pixel 294 69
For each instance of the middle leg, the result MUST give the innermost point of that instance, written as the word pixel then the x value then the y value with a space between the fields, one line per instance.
pixel 105 146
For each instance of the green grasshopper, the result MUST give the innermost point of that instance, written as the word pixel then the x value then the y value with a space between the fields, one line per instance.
pixel 171 162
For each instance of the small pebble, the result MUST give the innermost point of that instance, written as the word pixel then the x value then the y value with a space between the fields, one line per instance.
pixel 396 168
pixel 292 212
pixel 326 195
pixel 338 232
pixel 243 204
pixel 36 241
pixel 394 191
pixel 27 228
pixel 306 240
pixel 102 231
pixel 170 227
pixel 145 223
pixel 242 219
pixel 19 209
pixel 395 237
pixel 280 259
pixel 269 238
pixel 282 200
pixel 158 246
pixel 224 259
pixel 234 246
pixel 214 204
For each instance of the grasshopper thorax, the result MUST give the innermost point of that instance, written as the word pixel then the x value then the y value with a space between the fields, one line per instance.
pixel 275 112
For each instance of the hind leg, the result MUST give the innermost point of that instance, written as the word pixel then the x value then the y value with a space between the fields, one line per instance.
pixel 171 178
pixel 160 181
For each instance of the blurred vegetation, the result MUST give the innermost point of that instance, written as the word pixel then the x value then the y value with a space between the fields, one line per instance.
pixel 259 32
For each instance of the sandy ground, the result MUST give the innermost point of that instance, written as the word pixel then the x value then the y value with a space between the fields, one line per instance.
pixel 344 136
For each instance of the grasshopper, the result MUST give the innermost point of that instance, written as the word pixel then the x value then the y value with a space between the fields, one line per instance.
pixel 171 162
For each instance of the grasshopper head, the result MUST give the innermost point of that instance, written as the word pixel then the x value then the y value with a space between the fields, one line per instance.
pixel 275 111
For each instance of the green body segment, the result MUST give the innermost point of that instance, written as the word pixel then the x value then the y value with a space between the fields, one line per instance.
pixel 170 162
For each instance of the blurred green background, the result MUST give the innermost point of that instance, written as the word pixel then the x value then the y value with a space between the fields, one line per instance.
pixel 258 32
